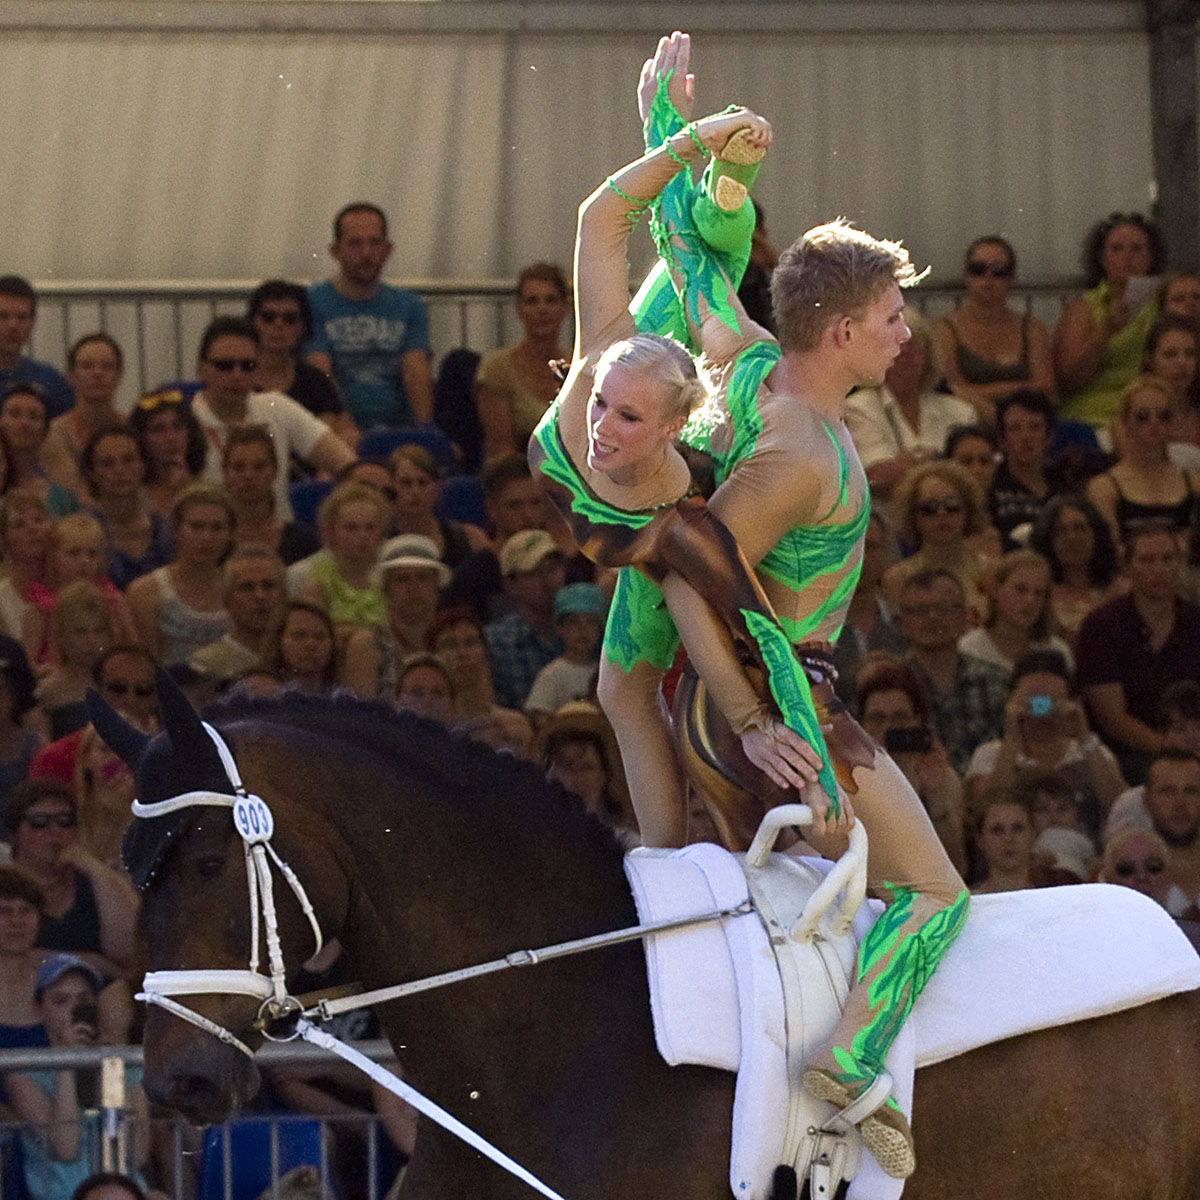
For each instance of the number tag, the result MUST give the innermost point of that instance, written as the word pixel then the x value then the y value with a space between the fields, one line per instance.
pixel 253 819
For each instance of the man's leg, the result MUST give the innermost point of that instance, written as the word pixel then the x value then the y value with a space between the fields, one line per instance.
pixel 927 904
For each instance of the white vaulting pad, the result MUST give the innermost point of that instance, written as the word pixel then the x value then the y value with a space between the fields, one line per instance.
pixel 1024 961
pixel 1029 960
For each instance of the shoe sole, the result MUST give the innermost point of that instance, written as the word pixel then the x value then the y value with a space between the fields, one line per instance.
pixel 887 1144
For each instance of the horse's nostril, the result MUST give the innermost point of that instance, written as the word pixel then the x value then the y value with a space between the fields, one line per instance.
pixel 198 1098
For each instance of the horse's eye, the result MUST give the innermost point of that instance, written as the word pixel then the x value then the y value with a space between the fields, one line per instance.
pixel 210 868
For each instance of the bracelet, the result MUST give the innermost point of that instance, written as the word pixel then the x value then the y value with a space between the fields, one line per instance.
pixel 683 162
pixel 690 130
pixel 638 204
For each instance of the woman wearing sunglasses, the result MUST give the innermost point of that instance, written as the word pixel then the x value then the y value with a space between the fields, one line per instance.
pixel 280 312
pixel 89 909
pixel 1138 859
pixel 171 443
pixel 940 509
pixel 1144 485
pixel 986 349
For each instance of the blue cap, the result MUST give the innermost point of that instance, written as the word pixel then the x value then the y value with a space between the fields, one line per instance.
pixel 580 598
pixel 54 966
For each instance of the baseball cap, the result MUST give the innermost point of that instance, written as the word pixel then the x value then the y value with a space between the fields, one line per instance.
pixel 580 598
pixel 55 966
pixel 525 550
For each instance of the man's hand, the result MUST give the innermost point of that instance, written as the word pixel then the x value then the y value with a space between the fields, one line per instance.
pixel 782 755
pixel 671 56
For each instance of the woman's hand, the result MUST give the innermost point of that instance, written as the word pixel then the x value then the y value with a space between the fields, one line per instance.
pixel 782 755
pixel 714 131
pixel 671 56
pixel 1072 720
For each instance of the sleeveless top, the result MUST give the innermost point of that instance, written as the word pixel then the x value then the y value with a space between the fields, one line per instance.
pixel 348 605
pixel 78 928
pixel 977 369
pixel 1096 402
pixel 1131 514
pixel 184 629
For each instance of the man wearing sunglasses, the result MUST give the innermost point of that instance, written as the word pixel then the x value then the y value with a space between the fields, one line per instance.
pixel 227 364
pixel 373 339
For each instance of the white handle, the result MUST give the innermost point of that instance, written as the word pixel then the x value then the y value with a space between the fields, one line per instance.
pixel 849 872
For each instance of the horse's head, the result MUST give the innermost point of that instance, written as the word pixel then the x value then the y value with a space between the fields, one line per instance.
pixel 190 868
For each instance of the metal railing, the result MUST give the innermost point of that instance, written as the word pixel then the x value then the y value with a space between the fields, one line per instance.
pixel 222 1158
pixel 158 323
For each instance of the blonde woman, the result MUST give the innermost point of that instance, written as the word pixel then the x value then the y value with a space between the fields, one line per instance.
pixel 1144 486
pixel 940 507
pixel 1018 614
pixel 344 579
pixel 181 607
pixel 81 628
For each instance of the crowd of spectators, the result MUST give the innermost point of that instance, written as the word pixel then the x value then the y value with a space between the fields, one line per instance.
pixel 1024 640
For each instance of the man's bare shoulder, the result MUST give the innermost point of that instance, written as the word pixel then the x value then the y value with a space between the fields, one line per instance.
pixel 796 425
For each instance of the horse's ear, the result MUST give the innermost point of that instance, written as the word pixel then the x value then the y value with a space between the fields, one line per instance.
pixel 123 739
pixel 180 720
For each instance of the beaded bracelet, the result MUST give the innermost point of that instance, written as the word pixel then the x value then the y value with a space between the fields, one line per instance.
pixel 683 162
pixel 639 204
pixel 690 130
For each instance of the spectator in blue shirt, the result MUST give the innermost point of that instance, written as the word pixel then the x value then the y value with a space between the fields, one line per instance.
pixel 373 339
pixel 18 312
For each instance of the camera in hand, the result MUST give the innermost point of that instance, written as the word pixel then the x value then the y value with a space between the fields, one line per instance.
pixel 1040 706
pixel 911 739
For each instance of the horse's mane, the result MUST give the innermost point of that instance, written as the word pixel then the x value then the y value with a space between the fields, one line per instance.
pixel 463 771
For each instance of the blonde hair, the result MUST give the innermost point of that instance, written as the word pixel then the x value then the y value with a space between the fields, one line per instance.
pixel 349 493
pixel 664 361
pixel 77 602
pixel 922 332
pixel 834 270
pixel 904 502
pixel 1117 842
pixel 1008 565
pixel 79 526
pixel 1142 383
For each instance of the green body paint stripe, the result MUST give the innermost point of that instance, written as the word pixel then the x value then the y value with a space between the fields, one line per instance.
pixel 789 687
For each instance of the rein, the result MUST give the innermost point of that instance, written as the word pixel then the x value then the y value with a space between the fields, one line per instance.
pixel 254 823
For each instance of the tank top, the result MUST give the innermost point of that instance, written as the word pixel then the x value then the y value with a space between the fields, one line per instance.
pixel 183 629
pixel 1096 402
pixel 78 928
pixel 977 369
pixel 1132 515
pixel 349 605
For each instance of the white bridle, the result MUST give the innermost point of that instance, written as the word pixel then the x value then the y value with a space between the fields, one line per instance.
pixel 253 821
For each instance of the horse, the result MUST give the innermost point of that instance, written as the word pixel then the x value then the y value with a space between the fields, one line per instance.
pixel 424 852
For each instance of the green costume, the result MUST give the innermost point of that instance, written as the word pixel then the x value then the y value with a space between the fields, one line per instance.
pixel 814 565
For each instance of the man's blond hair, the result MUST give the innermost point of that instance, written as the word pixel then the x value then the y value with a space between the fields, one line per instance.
pixel 832 271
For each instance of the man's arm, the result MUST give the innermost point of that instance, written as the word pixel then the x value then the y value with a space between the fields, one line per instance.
pixel 418 385
pixel 1107 704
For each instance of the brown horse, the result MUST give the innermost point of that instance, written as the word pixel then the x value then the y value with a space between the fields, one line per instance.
pixel 423 853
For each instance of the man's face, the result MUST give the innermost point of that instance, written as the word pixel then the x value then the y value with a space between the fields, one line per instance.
pixel 361 249
pixel 535 590
pixel 227 369
pixel 933 617
pixel 875 337
pixel 254 593
pixel 16 324
pixel 127 683
pixel 117 467
pixel 1154 566
pixel 1172 799
pixel 1024 437
pixel 521 505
